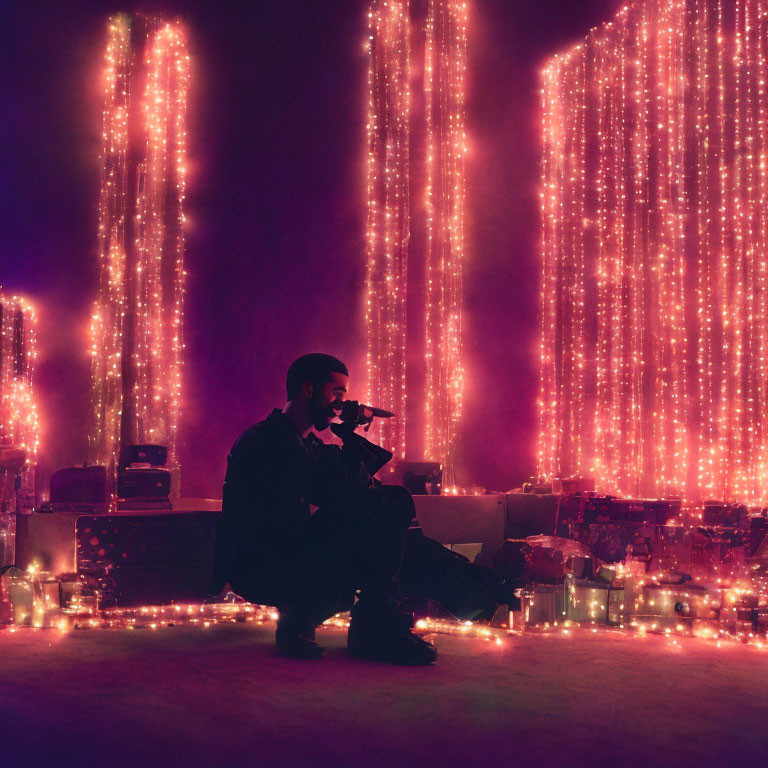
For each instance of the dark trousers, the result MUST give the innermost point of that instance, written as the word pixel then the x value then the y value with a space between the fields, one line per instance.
pixel 357 545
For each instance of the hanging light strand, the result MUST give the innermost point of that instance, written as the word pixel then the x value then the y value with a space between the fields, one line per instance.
pixel 388 228
pixel 136 326
pixel 108 316
pixel 445 110
pixel 19 419
pixel 158 351
pixel 675 275
pixel 549 425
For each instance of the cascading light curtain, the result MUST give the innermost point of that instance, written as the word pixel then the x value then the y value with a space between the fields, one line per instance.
pixel 159 288
pixel 391 210
pixel 654 346
pixel 445 67
pixel 109 310
pixel 136 325
pixel 388 224
pixel 19 421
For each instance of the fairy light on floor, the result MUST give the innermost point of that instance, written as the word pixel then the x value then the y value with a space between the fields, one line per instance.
pixel 19 420
pixel 653 194
pixel 445 66
pixel 388 222
pixel 136 325
pixel 631 601
pixel 41 612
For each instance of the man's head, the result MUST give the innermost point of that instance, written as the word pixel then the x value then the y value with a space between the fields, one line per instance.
pixel 313 382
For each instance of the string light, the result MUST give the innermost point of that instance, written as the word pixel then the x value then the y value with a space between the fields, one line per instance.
pixel 136 328
pixel 37 605
pixel 445 66
pixel 388 224
pixel 652 196
pixel 389 215
pixel 159 280
pixel 19 421
pixel 108 317
pixel 651 608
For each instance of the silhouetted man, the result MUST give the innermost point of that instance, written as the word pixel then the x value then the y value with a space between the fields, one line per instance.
pixel 273 550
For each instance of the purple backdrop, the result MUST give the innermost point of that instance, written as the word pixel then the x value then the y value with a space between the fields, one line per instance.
pixel 276 209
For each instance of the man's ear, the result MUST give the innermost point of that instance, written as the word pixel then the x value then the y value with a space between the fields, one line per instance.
pixel 308 389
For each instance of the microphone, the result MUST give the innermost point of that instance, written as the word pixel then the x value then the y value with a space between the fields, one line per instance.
pixel 378 412
pixel 351 410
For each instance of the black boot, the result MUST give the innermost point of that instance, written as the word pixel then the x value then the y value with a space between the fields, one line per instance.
pixel 385 635
pixel 295 637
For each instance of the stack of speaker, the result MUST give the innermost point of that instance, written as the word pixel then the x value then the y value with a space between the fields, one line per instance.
pixel 143 482
pixel 143 553
pixel 80 490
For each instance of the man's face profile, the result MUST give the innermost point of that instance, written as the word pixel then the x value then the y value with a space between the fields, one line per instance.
pixel 334 388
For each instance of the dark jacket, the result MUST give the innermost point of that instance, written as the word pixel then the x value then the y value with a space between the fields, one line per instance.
pixel 273 476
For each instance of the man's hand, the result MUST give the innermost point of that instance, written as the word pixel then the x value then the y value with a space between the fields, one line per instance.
pixel 344 429
pixel 352 415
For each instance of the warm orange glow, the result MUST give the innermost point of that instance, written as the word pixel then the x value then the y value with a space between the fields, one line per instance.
pixel 388 224
pixel 136 328
pixel 390 212
pixel 654 347
pixel 108 315
pixel 445 66
pixel 19 423
pixel 160 243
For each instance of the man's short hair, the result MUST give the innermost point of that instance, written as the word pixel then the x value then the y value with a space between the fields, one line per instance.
pixel 315 367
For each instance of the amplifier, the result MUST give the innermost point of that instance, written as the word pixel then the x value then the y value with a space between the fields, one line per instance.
pixel 80 485
pixel 152 455
pixel 144 484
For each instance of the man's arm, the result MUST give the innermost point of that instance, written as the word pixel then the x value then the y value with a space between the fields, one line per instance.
pixel 353 415
pixel 271 475
pixel 373 456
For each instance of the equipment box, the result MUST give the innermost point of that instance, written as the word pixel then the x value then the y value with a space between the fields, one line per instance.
pixel 544 604
pixel 587 601
pixel 132 558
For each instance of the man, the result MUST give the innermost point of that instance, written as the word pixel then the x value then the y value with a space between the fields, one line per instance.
pixel 273 550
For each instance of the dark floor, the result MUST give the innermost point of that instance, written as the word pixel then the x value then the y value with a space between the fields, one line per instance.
pixel 220 697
